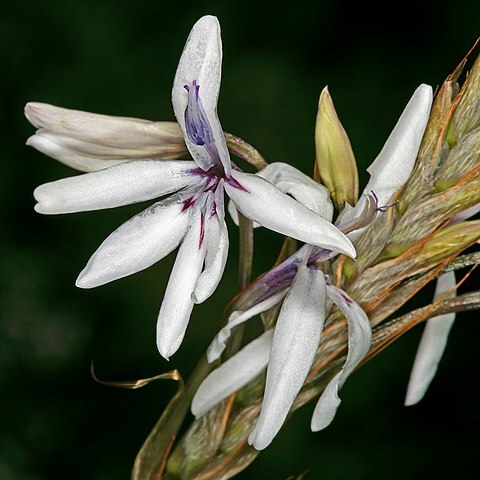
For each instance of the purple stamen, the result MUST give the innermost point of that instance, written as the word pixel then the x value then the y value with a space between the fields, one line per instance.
pixel 382 208
pixel 197 126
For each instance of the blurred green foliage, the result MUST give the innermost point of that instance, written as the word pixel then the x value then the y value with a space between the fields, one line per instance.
pixel 119 58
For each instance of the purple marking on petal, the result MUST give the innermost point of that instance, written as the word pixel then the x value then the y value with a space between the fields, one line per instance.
pixel 202 230
pixel 188 202
pixel 346 298
pixel 235 184
pixel 213 209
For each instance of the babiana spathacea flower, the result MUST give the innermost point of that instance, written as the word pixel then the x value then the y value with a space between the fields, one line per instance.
pixel 128 157
pixel 308 296
pixel 409 227
pixel 325 306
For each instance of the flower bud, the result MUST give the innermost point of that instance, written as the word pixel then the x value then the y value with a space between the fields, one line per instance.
pixel 334 155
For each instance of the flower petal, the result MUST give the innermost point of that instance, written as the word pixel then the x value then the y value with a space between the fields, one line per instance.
pixel 219 343
pixel 295 342
pixel 92 138
pixel 177 303
pixel 432 344
pixel 232 375
pixel 359 339
pixel 201 61
pixel 118 185
pixel 295 183
pixel 305 190
pixel 215 259
pixel 394 164
pixel 260 201
pixel 44 143
pixel 137 244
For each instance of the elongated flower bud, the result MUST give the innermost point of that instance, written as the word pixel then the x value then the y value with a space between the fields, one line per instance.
pixel 334 155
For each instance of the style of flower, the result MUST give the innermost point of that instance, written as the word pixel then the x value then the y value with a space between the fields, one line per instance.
pixel 288 350
pixel 193 216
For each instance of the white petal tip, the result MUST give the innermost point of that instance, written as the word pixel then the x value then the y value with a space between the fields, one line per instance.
pixel 257 442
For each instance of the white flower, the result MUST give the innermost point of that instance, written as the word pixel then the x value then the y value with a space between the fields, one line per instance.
pixel 194 216
pixel 289 355
pixel 308 298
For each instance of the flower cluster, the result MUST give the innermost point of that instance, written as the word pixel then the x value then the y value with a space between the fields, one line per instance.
pixel 131 160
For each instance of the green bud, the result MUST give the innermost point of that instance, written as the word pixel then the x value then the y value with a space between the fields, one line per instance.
pixel 335 160
pixel 449 241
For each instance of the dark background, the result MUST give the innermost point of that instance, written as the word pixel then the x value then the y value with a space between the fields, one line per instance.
pixel 119 58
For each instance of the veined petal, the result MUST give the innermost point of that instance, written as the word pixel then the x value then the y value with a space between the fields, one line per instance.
pixel 137 244
pixel 359 339
pixel 432 344
pixel 201 62
pixel 103 137
pixel 177 303
pixel 295 342
pixel 234 374
pixel 219 343
pixel 260 201
pixel 215 258
pixel 115 186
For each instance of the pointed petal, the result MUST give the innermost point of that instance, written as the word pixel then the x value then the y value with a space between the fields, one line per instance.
pixel 201 61
pixel 137 244
pixel 234 374
pixel 359 339
pixel 394 164
pixel 432 345
pixel 219 343
pixel 177 303
pixel 215 259
pixel 295 342
pixel 93 138
pixel 260 201
pixel 119 185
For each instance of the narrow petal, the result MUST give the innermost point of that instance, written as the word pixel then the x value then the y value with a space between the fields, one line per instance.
pixel 305 190
pixel 260 201
pixel 394 164
pixel 201 62
pixel 432 345
pixel 215 259
pixel 359 339
pixel 234 374
pixel 219 343
pixel 102 137
pixel 72 158
pixel 295 342
pixel 177 303
pixel 295 183
pixel 137 244
pixel 119 185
